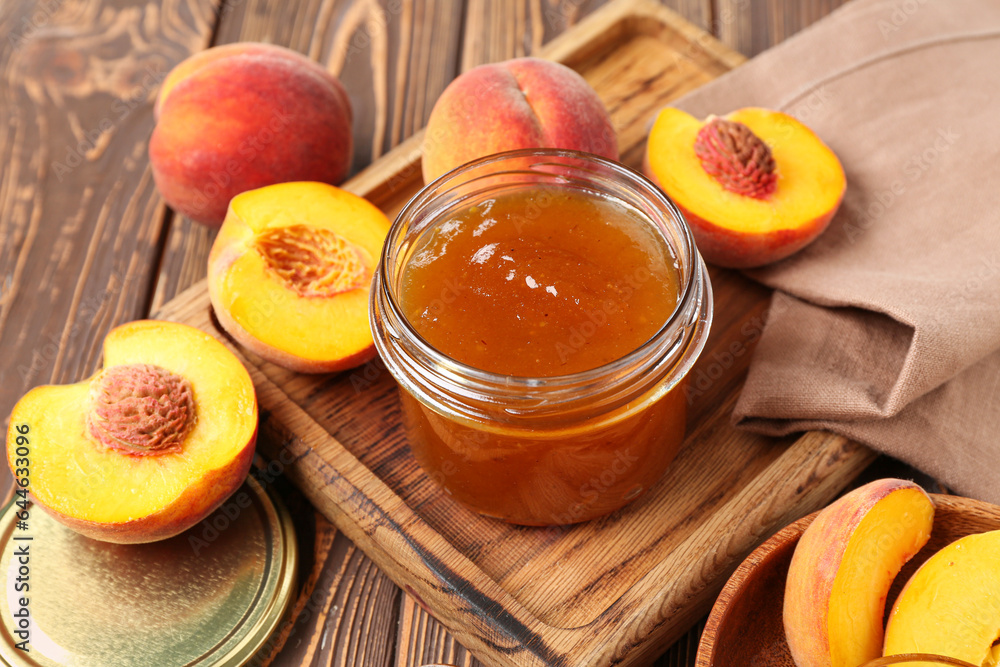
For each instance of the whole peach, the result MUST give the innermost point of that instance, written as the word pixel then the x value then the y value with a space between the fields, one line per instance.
pixel 520 103
pixel 242 116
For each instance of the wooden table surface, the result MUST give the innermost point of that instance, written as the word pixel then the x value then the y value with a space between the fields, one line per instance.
pixel 88 244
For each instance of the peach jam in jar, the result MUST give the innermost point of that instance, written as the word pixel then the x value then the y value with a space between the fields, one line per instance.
pixel 540 310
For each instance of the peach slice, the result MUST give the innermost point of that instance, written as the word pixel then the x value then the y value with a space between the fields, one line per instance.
pixel 242 116
pixel 289 275
pixel 951 604
pixel 146 448
pixel 842 568
pixel 519 103
pixel 755 186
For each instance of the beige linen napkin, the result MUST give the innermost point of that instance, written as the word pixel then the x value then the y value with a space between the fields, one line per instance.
pixel 887 328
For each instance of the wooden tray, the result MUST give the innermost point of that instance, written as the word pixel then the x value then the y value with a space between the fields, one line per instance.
pixel 617 590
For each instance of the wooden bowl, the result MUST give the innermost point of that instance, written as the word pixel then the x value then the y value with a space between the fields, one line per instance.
pixel 745 625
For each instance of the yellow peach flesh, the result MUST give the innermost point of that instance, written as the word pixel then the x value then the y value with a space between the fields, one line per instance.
pixel 76 477
pixel 842 570
pixel 951 605
pixel 810 179
pixel 256 299
pixel 893 530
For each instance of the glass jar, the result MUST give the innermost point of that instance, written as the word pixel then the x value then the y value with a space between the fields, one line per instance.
pixel 543 450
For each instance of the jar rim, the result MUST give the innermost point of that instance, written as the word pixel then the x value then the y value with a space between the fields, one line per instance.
pixel 689 279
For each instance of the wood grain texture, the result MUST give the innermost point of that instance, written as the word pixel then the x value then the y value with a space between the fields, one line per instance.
pixel 723 493
pixel 80 220
pixel 751 26
pixel 424 640
pixel 496 30
pixel 346 618
pixel 184 260
pixel 500 29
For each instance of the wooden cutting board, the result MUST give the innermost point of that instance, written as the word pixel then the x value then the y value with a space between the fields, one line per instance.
pixel 617 590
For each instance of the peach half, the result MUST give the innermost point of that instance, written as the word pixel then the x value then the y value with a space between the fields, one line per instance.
pixel 756 185
pixel 519 103
pixel 241 116
pixel 951 604
pixel 147 447
pixel 842 569
pixel 289 275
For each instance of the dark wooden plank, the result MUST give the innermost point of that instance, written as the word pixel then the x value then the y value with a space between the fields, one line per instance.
pixel 345 616
pixel 499 29
pixel 684 652
pixel 185 258
pixel 423 640
pixel 80 220
pixel 751 26
pixel 698 12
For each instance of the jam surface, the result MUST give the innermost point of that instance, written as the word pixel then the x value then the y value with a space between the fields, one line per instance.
pixel 540 283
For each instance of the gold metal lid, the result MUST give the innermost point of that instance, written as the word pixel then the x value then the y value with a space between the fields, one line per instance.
pixel 209 597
